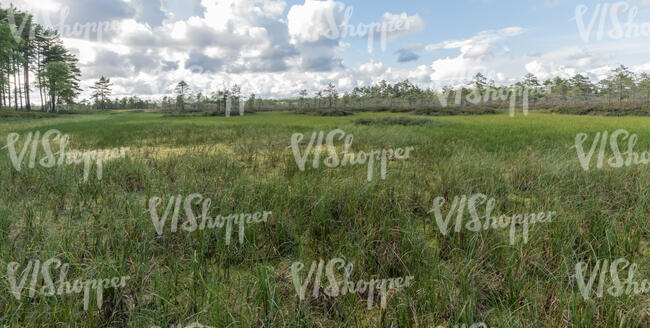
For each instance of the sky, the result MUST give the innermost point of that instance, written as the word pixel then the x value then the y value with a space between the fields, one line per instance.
pixel 276 48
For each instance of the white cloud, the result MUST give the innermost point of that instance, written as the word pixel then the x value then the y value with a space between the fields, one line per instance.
pixel 273 50
pixel 373 69
pixel 549 70
pixel 477 54
pixel 481 40
pixel 398 26
pixel 645 68
pixel 313 29
pixel 314 21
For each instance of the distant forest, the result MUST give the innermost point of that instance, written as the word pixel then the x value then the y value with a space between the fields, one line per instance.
pixel 623 92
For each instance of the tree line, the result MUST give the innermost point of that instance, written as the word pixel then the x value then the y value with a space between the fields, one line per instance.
pixel 27 50
pixel 620 90
pixel 187 100
pixel 34 56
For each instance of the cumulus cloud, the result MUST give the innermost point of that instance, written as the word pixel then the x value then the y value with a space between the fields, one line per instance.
pixel 476 55
pixel 169 66
pixel 393 27
pixel 262 44
pixel 480 44
pixel 549 70
pixel 313 29
pixel 107 63
pixel 373 69
pixel 315 21
pixel 272 49
pixel 150 11
pixel 202 63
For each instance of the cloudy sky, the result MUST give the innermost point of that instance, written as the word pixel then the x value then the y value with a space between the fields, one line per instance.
pixel 275 48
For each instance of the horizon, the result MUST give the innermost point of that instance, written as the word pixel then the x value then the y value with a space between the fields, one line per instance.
pixel 274 49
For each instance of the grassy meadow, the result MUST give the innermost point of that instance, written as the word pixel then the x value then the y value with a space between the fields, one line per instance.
pixel 102 228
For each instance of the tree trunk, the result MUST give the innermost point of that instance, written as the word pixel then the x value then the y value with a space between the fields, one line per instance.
pixel 40 92
pixel 20 88
pixel 47 104
pixel 40 82
pixel 8 88
pixel 3 92
pixel 15 90
pixel 28 104
pixel 620 94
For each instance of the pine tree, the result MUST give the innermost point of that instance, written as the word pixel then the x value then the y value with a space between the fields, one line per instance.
pixel 622 79
pixel 181 89
pixel 102 90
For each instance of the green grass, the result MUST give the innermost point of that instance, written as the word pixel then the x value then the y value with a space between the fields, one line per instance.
pixel 103 230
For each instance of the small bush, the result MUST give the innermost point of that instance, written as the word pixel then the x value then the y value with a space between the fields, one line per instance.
pixel 80 111
pixel 326 113
pixel 600 110
pixel 10 113
pixel 184 114
pixel 405 121
pixel 203 114
pixel 453 111
pixel 222 114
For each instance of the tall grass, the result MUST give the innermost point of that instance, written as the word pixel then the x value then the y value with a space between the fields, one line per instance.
pixel 102 228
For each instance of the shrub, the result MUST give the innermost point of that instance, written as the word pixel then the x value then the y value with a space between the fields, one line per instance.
pixel 326 113
pixel 600 110
pixel 10 114
pixel 405 121
pixel 453 111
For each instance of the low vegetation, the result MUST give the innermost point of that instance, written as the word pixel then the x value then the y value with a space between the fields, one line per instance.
pixel 322 112
pixel 7 113
pixel 406 121
pixel 102 228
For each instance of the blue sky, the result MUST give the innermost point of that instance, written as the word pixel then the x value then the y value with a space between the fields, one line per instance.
pixel 548 25
pixel 275 48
